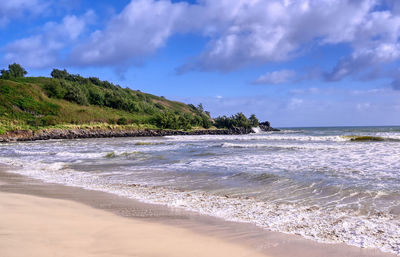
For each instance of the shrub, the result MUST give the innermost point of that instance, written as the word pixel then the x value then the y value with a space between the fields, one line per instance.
pixel 54 89
pixel 96 97
pixel 48 121
pixel 75 94
pixel 122 121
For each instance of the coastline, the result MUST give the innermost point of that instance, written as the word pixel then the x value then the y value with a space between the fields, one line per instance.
pixel 80 133
pixel 47 134
pixel 244 236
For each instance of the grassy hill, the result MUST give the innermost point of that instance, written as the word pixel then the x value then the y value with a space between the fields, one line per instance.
pixel 67 100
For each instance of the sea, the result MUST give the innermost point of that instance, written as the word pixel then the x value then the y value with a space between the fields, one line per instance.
pixel 331 185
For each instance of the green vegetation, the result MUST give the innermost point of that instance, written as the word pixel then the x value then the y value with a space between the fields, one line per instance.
pixel 14 71
pixel 111 155
pixel 365 138
pixel 71 101
pixel 238 120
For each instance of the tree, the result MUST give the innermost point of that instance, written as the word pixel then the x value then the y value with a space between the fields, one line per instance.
pixel 59 74
pixel 253 121
pixel 241 121
pixel 200 107
pixel 238 120
pixel 14 71
pixel 5 74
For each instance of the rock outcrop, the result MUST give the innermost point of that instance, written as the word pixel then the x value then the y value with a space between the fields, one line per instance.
pixel 266 126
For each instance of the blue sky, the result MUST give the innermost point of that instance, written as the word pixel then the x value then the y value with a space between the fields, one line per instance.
pixel 292 62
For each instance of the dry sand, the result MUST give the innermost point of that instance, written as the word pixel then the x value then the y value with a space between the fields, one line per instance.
pixel 34 226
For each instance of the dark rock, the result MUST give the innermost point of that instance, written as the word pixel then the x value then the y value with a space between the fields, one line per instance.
pixel 27 135
pixel 266 126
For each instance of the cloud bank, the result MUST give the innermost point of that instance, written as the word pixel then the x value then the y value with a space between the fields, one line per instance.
pixel 239 33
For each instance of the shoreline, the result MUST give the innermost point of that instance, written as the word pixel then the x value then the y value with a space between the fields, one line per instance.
pixel 47 134
pixel 247 235
pixel 54 227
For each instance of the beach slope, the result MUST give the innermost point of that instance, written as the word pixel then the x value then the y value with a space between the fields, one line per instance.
pixel 34 226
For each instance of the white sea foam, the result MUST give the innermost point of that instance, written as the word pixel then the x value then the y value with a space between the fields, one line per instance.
pixel 256 130
pixel 329 226
pixel 315 183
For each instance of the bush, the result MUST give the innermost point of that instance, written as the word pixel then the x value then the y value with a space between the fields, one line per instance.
pixel 48 121
pixel 54 89
pixel 96 97
pixel 206 123
pixel 122 121
pixel 75 94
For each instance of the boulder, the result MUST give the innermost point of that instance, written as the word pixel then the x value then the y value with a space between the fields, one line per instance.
pixel 266 126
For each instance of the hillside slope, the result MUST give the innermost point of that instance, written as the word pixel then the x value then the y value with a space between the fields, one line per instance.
pixel 65 100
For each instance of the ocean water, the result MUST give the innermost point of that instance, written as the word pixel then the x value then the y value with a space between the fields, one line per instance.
pixel 314 182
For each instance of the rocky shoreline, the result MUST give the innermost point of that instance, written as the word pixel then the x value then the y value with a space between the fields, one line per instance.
pixel 46 134
pixel 28 135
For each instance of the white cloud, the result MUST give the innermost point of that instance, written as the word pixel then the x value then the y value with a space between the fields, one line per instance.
pixel 244 32
pixel 140 29
pixel 16 9
pixel 262 31
pixel 375 43
pixel 43 50
pixel 276 77
pixel 240 33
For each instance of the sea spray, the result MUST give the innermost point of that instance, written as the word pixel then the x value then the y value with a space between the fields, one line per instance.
pixel 313 182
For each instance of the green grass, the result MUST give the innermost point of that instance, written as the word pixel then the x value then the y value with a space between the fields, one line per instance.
pixel 27 104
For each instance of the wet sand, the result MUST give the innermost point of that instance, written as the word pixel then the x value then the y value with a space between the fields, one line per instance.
pixel 39 219
pixel 34 226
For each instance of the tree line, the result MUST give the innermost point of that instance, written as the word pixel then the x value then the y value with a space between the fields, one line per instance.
pixel 238 120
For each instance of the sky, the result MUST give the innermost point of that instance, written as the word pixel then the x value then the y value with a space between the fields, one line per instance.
pixel 293 62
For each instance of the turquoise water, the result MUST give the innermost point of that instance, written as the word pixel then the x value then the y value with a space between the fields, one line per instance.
pixel 315 182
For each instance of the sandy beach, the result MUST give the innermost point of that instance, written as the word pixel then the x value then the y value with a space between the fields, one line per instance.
pixel 55 220
pixel 34 226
